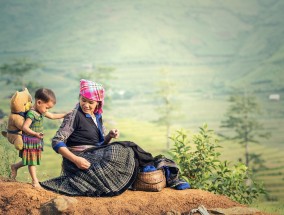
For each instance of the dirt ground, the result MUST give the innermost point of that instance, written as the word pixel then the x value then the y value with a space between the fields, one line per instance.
pixel 21 198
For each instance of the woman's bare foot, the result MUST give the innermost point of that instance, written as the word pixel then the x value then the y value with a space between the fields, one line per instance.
pixel 14 170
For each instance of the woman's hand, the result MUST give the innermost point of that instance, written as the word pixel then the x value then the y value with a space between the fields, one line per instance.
pixel 114 133
pixel 81 163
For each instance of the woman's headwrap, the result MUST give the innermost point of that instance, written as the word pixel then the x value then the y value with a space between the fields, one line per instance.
pixel 93 91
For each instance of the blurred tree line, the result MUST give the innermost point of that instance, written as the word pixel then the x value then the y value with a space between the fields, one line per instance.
pixel 14 73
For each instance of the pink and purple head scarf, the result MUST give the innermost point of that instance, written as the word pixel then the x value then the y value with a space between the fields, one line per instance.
pixel 93 91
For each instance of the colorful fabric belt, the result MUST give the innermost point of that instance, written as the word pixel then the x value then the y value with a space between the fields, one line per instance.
pixel 80 148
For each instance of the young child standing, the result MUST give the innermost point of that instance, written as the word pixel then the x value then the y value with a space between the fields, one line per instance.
pixel 33 133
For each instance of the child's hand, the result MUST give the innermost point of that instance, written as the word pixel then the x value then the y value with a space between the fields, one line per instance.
pixel 39 135
pixel 65 114
pixel 68 112
pixel 114 133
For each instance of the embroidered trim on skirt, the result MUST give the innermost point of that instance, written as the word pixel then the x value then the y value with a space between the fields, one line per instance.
pixel 31 153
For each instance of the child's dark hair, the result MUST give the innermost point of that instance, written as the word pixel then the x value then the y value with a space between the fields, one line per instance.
pixel 45 95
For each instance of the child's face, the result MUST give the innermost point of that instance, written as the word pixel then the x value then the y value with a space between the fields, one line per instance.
pixel 43 107
pixel 88 106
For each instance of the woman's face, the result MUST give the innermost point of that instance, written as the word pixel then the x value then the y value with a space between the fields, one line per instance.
pixel 88 106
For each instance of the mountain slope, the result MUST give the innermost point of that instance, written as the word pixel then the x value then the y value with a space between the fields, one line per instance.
pixel 187 32
pixel 209 46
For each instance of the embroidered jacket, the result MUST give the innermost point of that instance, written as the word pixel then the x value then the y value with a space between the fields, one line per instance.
pixel 78 129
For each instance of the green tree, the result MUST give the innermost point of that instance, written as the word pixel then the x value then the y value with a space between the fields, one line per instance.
pixel 242 117
pixel 167 107
pixel 14 73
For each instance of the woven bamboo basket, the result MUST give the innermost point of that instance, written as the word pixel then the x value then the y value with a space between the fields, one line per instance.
pixel 153 181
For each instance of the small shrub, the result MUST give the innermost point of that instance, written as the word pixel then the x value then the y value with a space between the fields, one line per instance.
pixel 200 165
pixel 8 154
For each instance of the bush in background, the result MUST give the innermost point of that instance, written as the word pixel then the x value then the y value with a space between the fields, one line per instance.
pixel 199 164
pixel 8 154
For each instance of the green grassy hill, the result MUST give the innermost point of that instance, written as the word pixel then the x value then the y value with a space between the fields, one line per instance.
pixel 69 33
pixel 211 48
pixel 239 44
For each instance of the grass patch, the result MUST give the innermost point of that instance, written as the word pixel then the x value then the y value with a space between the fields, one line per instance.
pixel 269 207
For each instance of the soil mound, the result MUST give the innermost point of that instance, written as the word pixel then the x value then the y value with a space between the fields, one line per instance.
pixel 22 198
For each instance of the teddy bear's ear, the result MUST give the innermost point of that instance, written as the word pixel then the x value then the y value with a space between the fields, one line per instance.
pixel 26 90
pixel 15 95
pixel 14 98
pixel 28 93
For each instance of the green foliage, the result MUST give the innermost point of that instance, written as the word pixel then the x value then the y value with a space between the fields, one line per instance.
pixel 269 207
pixel 257 162
pixel 200 165
pixel 8 154
pixel 243 117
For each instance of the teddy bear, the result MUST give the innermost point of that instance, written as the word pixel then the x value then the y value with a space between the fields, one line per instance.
pixel 19 105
